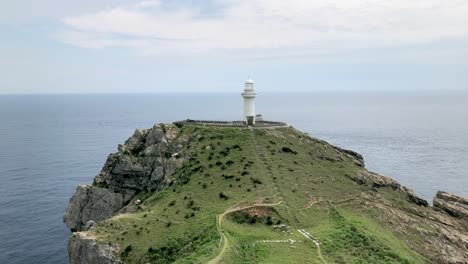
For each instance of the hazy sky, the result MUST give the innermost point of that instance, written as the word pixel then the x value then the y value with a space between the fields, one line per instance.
pixel 90 46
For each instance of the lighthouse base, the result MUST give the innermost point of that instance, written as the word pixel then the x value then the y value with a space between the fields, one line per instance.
pixel 250 120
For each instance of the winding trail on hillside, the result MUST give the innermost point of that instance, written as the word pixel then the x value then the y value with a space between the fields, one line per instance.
pixel 219 221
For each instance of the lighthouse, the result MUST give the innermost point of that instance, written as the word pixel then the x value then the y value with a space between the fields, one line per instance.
pixel 249 102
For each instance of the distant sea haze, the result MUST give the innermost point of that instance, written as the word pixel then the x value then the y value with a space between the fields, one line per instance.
pixel 52 143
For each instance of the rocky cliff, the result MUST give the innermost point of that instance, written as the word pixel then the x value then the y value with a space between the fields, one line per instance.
pixel 166 176
pixel 144 163
pixel 83 249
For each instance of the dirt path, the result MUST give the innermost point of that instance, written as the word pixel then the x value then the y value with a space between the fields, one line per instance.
pixel 219 221
pixel 315 240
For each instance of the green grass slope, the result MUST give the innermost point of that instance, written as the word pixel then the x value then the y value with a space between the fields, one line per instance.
pixel 260 196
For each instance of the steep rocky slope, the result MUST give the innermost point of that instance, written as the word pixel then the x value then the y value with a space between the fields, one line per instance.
pixel 143 164
pixel 229 195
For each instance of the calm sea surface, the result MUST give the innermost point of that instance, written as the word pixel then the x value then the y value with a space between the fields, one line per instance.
pixel 49 144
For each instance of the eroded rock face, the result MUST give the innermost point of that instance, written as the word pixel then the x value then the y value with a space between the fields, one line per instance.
pixel 452 204
pixel 144 163
pixel 379 181
pixel 85 250
pixel 91 203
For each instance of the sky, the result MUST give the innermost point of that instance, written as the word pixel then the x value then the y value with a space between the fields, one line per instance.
pixel 154 46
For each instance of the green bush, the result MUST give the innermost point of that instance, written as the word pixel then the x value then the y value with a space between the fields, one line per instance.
pixel 288 150
pixel 255 180
pixel 179 248
pixel 126 251
pixel 190 204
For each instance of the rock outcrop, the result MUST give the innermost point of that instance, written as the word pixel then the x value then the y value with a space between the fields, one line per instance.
pixel 378 181
pixel 357 158
pixel 144 163
pixel 91 203
pixel 452 204
pixel 444 238
pixel 85 250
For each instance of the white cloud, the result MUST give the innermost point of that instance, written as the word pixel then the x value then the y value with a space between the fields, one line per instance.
pixel 269 25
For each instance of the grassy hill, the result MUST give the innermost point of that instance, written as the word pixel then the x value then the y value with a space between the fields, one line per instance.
pixel 273 196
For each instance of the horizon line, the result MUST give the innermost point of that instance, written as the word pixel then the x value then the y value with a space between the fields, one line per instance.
pixel 231 92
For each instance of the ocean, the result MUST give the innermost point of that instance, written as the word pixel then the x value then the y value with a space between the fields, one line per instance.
pixel 52 143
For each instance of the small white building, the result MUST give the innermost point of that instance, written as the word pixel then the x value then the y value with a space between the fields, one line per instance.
pixel 249 102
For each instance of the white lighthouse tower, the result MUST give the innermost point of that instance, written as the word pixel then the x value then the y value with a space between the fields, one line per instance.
pixel 249 102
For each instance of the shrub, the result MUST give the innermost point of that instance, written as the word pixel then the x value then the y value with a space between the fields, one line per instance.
pixel 126 251
pixel 198 168
pixel 227 176
pixel 269 221
pixel 255 180
pixel 223 196
pixel 190 204
pixel 188 215
pixel 288 150
pixel 172 203
pixel 176 249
